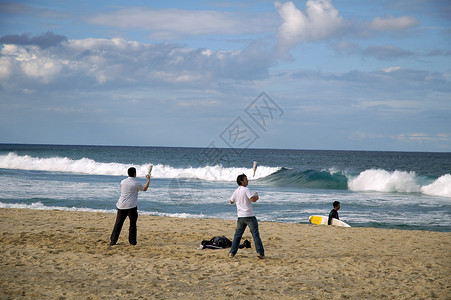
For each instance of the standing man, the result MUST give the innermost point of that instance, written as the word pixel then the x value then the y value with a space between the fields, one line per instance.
pixel 334 212
pixel 243 199
pixel 127 205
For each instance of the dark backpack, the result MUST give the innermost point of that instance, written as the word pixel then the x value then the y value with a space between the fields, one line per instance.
pixel 221 241
pixel 218 242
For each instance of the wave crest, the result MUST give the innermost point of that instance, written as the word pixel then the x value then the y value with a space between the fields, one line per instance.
pixel 384 181
pixel 323 179
pixel 378 180
pixel 91 167
pixel 440 187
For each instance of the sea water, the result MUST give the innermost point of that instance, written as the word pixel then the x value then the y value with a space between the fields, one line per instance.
pixel 403 190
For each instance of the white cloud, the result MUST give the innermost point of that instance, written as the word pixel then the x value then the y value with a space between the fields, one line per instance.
pixel 96 62
pixel 320 20
pixel 33 65
pixel 423 137
pixel 359 135
pixel 392 24
pixel 391 69
pixel 5 67
pixel 168 24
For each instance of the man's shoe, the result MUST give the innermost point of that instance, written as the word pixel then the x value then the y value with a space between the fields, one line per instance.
pixel 261 256
pixel 231 255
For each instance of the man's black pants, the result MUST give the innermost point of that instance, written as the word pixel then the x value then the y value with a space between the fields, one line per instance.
pixel 122 214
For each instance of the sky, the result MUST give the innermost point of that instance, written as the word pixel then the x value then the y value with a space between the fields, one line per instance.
pixel 316 74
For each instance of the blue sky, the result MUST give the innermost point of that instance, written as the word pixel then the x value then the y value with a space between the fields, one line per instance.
pixel 316 74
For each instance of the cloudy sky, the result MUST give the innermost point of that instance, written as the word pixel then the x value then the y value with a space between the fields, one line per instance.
pixel 316 74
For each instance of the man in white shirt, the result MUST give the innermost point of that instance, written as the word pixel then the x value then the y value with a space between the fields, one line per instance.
pixel 243 199
pixel 127 205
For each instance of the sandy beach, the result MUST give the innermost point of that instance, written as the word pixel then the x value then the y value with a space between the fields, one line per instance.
pixel 65 255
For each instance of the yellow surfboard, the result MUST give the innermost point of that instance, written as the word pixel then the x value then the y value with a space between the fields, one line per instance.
pixel 318 220
pixel 323 220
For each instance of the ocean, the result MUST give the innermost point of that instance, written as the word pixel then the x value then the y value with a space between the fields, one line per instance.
pixel 392 190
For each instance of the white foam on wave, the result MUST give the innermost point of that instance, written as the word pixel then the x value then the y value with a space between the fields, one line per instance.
pixel 384 181
pixel 61 164
pixel 398 181
pixel 440 187
pixel 40 206
pixel 216 173
pixel 174 215
pixel 91 167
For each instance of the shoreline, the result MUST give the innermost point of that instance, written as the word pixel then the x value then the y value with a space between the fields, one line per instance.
pixel 65 255
pixel 198 217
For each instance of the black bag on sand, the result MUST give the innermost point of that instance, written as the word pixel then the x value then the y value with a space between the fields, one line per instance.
pixel 218 242
pixel 221 242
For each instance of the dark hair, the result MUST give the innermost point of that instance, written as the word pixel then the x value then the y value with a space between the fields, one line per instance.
pixel 240 178
pixel 336 203
pixel 131 172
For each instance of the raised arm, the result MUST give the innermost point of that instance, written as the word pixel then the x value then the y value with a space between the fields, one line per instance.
pixel 147 183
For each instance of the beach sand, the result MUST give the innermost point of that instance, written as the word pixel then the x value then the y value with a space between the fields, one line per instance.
pixel 65 255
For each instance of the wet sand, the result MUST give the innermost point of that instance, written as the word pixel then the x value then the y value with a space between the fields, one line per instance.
pixel 65 255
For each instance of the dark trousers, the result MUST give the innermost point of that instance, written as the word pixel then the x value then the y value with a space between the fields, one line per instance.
pixel 122 214
pixel 241 225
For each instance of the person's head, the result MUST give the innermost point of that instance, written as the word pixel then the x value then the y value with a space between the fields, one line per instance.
pixel 242 180
pixel 337 205
pixel 132 172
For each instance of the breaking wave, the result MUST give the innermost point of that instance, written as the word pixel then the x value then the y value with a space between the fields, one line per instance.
pixel 399 181
pixel 91 167
pixel 309 179
pixel 377 180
